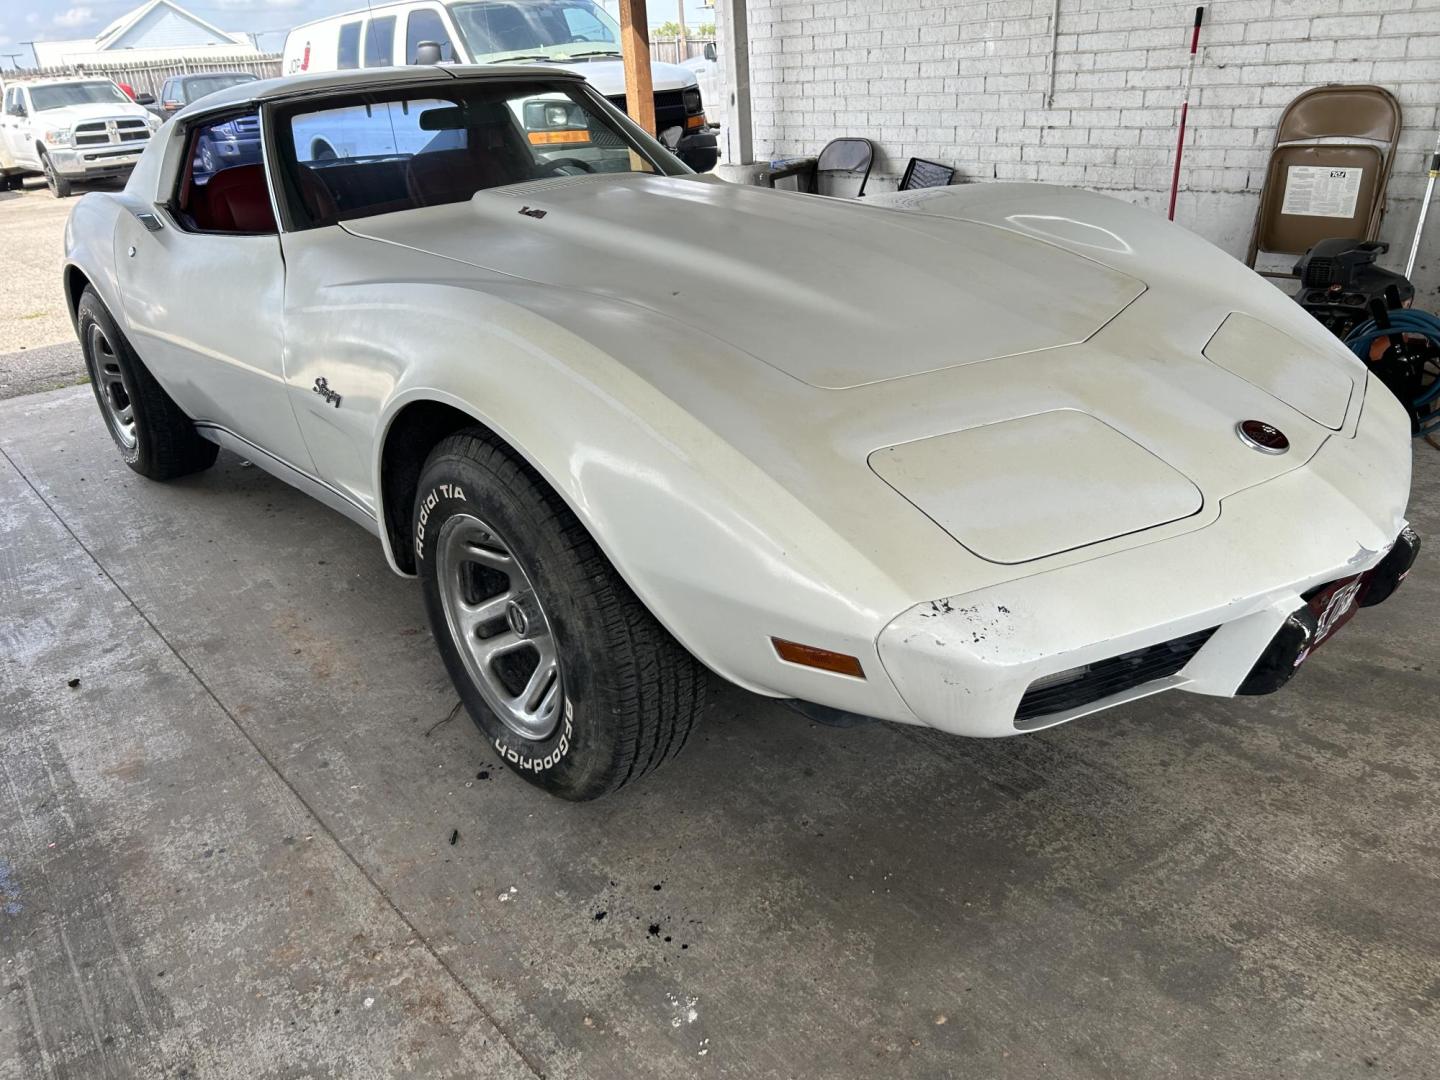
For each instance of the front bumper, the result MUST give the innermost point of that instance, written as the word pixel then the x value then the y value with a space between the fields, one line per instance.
pixel 963 664
pixel 89 162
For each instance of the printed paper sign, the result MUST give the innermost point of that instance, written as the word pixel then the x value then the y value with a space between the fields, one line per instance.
pixel 1317 191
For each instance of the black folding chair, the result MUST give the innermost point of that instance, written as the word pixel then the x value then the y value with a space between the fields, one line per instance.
pixel 921 174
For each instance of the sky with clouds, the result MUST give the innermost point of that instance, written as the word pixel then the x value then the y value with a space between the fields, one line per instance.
pixel 51 20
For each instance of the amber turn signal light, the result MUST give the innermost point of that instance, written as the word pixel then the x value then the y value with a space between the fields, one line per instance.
pixel 697 121
pixel 563 137
pixel 824 659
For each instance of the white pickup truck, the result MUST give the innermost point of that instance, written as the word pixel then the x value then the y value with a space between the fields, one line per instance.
pixel 575 34
pixel 70 130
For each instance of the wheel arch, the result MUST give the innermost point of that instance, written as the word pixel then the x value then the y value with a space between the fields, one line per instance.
pixel 412 432
pixel 75 283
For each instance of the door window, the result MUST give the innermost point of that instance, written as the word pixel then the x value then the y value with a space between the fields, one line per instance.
pixel 380 42
pixel 223 188
pixel 347 52
pixel 425 24
pixel 584 26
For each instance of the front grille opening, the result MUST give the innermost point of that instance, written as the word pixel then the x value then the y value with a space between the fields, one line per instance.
pixel 1079 686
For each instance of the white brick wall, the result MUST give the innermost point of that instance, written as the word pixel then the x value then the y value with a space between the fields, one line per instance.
pixel 964 81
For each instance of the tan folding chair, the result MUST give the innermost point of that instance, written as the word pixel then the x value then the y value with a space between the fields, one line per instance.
pixel 1328 171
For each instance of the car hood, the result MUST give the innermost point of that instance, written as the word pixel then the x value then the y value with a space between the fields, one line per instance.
pixel 77 114
pixel 608 76
pixel 833 293
pixel 1039 373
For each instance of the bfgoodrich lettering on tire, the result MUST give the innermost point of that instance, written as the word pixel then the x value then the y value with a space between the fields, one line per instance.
pixel 573 682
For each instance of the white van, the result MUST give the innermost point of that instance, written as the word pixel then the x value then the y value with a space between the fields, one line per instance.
pixel 578 34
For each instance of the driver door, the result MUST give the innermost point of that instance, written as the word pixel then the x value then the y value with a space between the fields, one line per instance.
pixel 13 125
pixel 203 283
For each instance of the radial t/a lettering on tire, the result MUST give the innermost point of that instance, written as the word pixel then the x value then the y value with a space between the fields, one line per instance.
pixel 574 683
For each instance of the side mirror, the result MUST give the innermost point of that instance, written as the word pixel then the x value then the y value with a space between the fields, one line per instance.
pixel 427 52
pixel 711 53
pixel 670 137
pixel 144 99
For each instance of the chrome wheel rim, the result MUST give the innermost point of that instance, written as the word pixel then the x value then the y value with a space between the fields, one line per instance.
pixel 499 626
pixel 110 387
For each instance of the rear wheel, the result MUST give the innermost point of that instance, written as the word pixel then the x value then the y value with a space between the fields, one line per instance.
pixel 154 436
pixel 571 679
pixel 59 186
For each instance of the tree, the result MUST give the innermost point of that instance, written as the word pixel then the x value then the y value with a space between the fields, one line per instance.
pixel 666 30
pixel 705 29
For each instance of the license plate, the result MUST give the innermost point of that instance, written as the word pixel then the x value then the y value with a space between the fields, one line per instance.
pixel 1333 606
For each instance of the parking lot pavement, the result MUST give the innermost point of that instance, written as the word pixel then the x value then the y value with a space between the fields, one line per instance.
pixel 231 846
pixel 45 368
pixel 38 350
pixel 32 238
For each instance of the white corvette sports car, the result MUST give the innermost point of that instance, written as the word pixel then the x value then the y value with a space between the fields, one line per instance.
pixel 984 458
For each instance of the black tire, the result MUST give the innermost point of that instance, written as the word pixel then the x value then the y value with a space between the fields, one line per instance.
pixel 162 442
pixel 59 186
pixel 631 693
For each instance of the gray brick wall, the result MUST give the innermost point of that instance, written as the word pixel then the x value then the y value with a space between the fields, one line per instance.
pixel 965 81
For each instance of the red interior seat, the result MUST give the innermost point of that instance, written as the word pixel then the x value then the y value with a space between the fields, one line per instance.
pixel 234 200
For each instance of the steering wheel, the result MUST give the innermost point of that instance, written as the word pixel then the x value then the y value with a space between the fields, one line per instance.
pixel 555 163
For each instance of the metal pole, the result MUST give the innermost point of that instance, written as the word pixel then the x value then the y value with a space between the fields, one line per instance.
pixel 1424 207
pixel 1185 110
pixel 1054 46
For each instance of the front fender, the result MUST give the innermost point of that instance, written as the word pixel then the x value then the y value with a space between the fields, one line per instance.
pixel 720 551
pixel 90 251
pixel 1130 238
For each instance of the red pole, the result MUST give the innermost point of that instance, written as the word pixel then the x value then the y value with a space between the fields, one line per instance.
pixel 1185 110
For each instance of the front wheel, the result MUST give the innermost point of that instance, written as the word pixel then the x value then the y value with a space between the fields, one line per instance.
pixel 59 185
pixel 571 679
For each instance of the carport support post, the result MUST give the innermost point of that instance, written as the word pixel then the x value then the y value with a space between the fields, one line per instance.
pixel 735 22
pixel 635 45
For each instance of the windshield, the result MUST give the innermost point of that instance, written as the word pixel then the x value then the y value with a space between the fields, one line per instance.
pixel 195 89
pixel 361 154
pixel 535 29
pixel 84 93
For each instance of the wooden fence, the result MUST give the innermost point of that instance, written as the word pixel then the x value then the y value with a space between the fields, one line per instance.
pixel 669 51
pixel 146 77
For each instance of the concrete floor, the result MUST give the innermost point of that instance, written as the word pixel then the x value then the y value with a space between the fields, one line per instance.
pixel 225 852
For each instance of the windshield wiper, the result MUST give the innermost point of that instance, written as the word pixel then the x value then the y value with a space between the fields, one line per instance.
pixel 519 56
pixel 600 52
